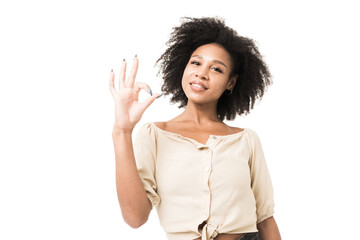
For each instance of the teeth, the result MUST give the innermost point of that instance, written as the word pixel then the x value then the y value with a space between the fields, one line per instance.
pixel 194 84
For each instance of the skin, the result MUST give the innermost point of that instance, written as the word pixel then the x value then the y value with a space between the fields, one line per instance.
pixel 134 203
pixel 205 65
pixel 268 229
pixel 210 64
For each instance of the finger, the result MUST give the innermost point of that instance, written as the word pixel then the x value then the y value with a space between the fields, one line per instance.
pixel 141 85
pixel 144 105
pixel 133 72
pixel 122 74
pixel 111 82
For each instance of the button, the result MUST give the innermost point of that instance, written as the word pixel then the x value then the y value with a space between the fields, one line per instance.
pixel 206 169
pixel 214 137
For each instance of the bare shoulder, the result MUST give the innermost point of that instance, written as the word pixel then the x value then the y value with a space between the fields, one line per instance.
pixel 180 127
pixel 167 126
pixel 161 125
pixel 236 129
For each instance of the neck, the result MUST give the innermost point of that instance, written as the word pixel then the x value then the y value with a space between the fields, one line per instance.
pixel 199 114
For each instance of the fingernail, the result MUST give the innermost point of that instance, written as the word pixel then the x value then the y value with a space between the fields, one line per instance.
pixel 150 91
pixel 160 95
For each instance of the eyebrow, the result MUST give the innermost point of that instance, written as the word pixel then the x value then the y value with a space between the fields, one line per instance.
pixel 217 61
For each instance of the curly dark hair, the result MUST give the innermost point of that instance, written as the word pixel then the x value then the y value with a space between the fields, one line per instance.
pixel 253 76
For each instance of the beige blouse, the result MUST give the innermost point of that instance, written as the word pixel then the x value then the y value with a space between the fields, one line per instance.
pixel 222 186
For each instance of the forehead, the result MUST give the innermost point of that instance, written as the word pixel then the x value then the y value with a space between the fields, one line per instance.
pixel 213 51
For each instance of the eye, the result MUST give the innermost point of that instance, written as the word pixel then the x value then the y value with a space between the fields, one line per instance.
pixel 195 62
pixel 218 70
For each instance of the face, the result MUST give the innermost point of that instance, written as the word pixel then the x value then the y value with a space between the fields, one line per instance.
pixel 207 74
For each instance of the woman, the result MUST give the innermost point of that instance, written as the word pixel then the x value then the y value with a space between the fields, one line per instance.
pixel 207 180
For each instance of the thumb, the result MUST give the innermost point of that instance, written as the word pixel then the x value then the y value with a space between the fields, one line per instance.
pixel 149 101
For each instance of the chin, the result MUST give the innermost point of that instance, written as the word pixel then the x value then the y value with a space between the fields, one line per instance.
pixel 200 100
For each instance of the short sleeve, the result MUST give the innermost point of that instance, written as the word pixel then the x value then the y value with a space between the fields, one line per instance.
pixel 145 158
pixel 261 184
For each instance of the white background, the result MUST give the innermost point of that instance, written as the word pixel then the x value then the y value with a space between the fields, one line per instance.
pixel 57 177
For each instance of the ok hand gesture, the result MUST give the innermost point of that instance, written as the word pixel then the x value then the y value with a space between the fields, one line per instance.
pixel 128 110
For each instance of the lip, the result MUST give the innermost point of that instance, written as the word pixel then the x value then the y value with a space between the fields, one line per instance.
pixel 198 83
pixel 197 88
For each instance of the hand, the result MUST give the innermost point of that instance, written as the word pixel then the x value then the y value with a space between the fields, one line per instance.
pixel 128 110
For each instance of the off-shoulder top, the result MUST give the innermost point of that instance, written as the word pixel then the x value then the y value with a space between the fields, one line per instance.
pixel 202 190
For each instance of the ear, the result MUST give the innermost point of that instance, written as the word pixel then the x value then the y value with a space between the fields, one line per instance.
pixel 232 82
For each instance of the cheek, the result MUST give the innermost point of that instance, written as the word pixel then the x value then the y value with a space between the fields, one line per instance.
pixel 221 82
pixel 183 84
pixel 187 71
pixel 183 80
pixel 186 75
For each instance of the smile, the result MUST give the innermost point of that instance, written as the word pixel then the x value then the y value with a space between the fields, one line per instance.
pixel 197 87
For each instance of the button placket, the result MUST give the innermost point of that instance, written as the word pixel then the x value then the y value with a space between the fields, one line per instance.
pixel 206 169
pixel 206 209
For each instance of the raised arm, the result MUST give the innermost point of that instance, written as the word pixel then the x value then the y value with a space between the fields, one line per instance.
pixel 134 203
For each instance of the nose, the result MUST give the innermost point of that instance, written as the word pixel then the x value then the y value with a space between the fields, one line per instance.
pixel 201 73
